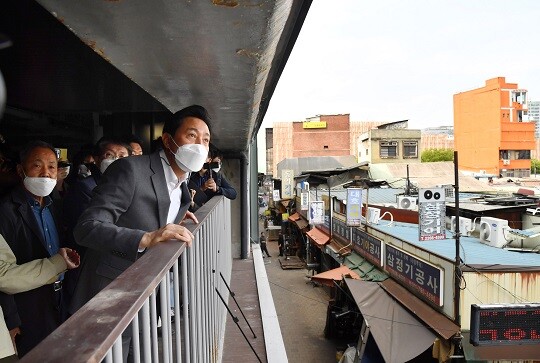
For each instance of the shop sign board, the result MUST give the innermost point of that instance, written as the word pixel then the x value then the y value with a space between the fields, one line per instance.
pixel 431 214
pixel 316 212
pixel 304 200
pixel 505 324
pixel 354 206
pixel 314 125
pixel 287 183
pixel 415 273
pixel 341 229
pixel 284 217
pixel 275 195
pixel 368 246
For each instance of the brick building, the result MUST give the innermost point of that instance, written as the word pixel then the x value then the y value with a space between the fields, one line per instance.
pixel 492 133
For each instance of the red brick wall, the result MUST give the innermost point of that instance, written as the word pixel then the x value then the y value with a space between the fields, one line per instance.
pixel 312 142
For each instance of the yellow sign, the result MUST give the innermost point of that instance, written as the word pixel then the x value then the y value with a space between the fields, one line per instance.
pixel 314 125
pixel 61 154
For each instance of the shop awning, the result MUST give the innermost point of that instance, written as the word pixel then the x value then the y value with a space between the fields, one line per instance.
pixel 443 326
pixel 328 277
pixel 365 269
pixel 399 335
pixel 294 217
pixel 340 249
pixel 319 237
pixel 301 223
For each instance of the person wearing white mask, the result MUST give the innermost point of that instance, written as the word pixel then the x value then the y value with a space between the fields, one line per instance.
pixel 30 224
pixel 78 195
pixel 139 203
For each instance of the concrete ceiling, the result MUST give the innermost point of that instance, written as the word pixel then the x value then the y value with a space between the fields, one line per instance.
pixel 151 57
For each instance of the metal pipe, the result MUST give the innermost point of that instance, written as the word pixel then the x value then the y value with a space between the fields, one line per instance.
pixel 244 192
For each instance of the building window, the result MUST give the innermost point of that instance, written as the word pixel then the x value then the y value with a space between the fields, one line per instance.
pixel 325 147
pixel 410 149
pixel 524 154
pixel 388 149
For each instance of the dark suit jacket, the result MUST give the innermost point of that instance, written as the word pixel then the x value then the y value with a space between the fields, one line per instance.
pixel 38 310
pixel 131 198
pixel 201 197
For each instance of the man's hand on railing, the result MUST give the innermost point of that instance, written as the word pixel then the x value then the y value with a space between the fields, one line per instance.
pixel 190 215
pixel 170 231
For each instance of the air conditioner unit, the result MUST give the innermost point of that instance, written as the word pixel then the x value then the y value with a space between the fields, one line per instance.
pixel 373 215
pixel 405 202
pixel 465 225
pixel 506 162
pixel 492 231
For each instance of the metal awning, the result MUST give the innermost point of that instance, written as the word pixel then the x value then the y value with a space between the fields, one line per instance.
pixel 294 217
pixel 319 237
pixel 328 277
pixel 339 248
pixel 440 323
pixel 365 269
pixel 399 335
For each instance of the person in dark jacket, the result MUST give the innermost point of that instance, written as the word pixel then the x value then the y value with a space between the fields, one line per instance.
pixel 210 181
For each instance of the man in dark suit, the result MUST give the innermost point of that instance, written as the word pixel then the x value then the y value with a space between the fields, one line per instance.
pixel 139 203
pixel 29 222
pixel 78 196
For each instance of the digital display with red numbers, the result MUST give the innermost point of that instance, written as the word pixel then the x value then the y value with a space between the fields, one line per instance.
pixel 505 324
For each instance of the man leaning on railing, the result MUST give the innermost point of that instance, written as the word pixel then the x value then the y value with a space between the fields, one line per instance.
pixel 140 202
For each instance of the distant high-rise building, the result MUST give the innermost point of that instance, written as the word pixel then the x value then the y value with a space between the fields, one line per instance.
pixel 534 115
pixel 492 134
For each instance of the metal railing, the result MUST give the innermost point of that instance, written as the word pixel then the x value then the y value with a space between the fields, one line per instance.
pixel 185 279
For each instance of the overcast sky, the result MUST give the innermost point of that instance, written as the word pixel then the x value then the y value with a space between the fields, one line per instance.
pixel 391 60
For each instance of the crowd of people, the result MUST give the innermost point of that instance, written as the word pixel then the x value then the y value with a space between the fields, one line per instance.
pixel 69 227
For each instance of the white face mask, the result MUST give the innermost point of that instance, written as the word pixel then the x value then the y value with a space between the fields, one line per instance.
pixel 39 186
pixel 190 157
pixel 215 170
pixel 105 163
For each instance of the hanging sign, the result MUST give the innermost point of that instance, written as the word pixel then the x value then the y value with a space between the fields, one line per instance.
pixel 431 214
pixel 354 206
pixel 316 212
pixel 287 183
pixel 275 195
pixel 304 201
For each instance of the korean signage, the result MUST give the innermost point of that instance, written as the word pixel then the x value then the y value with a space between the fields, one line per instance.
pixel 341 229
pixel 508 324
pixel 314 125
pixel 368 246
pixel 304 200
pixel 354 206
pixel 316 212
pixel 431 214
pixel 287 183
pixel 275 195
pixel 419 275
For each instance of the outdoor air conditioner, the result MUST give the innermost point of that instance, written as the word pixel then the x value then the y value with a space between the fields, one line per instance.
pixel 405 202
pixel 492 231
pixel 506 162
pixel 373 215
pixel 465 225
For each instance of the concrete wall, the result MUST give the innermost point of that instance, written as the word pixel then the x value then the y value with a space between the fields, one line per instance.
pixel 369 145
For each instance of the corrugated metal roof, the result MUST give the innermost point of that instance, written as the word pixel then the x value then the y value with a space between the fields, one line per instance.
pixel 473 252
pixel 426 175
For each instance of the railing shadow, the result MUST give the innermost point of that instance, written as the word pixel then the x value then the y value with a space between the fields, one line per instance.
pixel 185 279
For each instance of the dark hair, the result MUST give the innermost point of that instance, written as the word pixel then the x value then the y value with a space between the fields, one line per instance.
pixel 23 155
pixel 215 152
pixel 177 119
pixel 135 139
pixel 102 143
